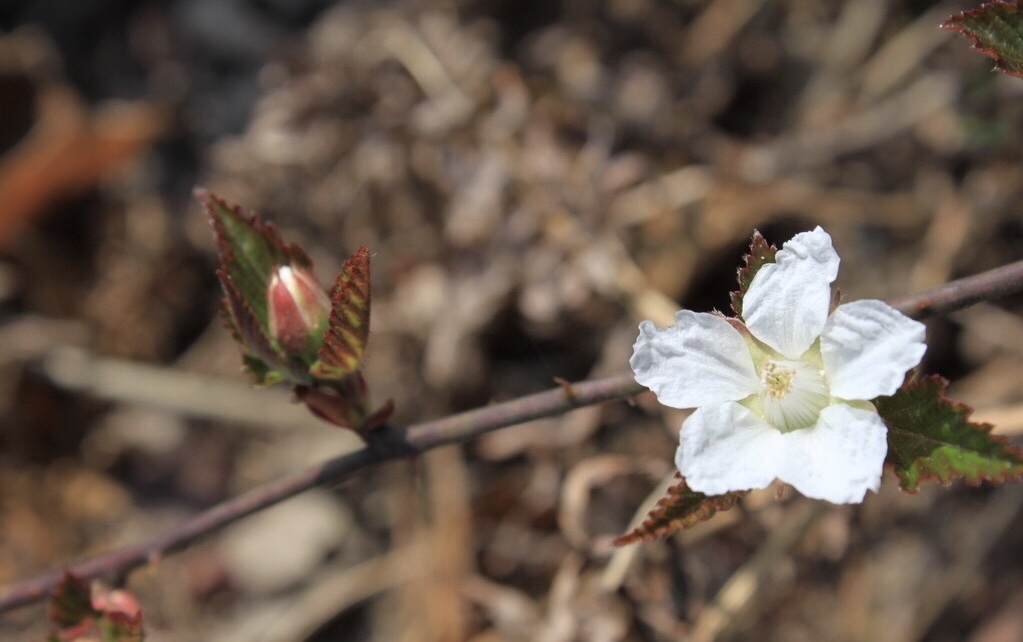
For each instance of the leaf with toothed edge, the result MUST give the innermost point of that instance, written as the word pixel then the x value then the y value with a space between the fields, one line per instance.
pixel 242 322
pixel 931 437
pixel 345 342
pixel 249 251
pixel 259 356
pixel 679 509
pixel 760 254
pixel 995 29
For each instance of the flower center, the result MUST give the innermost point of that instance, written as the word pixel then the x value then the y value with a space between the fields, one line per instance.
pixel 793 395
pixel 777 379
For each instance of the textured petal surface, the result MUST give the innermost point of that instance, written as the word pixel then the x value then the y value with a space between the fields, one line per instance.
pixel 787 302
pixel 840 458
pixel 867 348
pixel 700 360
pixel 725 447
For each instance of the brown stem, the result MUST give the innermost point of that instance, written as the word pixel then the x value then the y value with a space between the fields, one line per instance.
pixel 393 444
pixel 962 293
pixel 419 438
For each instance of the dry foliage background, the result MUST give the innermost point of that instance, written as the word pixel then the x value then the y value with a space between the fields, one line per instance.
pixel 533 178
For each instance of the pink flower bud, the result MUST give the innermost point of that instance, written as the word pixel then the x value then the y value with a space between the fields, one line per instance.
pixel 298 309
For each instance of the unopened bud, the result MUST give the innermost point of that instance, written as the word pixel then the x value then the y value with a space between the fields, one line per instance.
pixel 298 309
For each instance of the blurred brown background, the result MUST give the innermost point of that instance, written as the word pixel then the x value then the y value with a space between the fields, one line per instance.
pixel 533 178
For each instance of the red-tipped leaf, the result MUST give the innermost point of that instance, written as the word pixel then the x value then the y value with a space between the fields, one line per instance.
pixel 249 250
pixel 70 604
pixel 994 29
pixel 931 437
pixel 344 344
pixel 679 509
pixel 760 254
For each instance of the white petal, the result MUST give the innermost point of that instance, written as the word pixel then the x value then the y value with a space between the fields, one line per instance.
pixel 725 447
pixel 840 458
pixel 787 303
pixel 699 360
pixel 867 348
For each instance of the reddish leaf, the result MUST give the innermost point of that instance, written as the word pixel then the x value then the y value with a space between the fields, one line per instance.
pixel 760 254
pixel 680 509
pixel 70 603
pixel 379 417
pixel 342 410
pixel 345 342
pixel 995 29
pixel 931 437
pixel 242 321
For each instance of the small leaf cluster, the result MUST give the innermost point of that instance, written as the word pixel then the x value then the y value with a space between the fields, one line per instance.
pixel 82 613
pixel 265 312
pixel 929 437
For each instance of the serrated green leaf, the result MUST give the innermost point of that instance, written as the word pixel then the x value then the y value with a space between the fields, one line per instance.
pixel 995 29
pixel 760 254
pixel 679 509
pixel 249 250
pixel 70 603
pixel 344 344
pixel 931 437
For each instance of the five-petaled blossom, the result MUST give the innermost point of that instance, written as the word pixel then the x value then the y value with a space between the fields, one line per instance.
pixel 785 392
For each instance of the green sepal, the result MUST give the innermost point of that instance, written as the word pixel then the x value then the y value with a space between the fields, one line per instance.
pixel 760 254
pixel 995 29
pixel 679 509
pixel 931 437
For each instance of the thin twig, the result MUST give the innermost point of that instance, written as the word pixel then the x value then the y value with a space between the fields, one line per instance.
pixel 962 293
pixel 416 439
pixel 395 444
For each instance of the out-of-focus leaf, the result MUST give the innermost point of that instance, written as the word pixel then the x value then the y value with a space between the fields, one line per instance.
pixel 679 509
pixel 70 603
pixel 995 29
pixel 84 613
pixel 931 437
pixel 345 342
pixel 760 254
pixel 121 627
pixel 68 150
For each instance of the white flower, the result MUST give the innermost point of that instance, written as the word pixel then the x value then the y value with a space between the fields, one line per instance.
pixel 785 393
